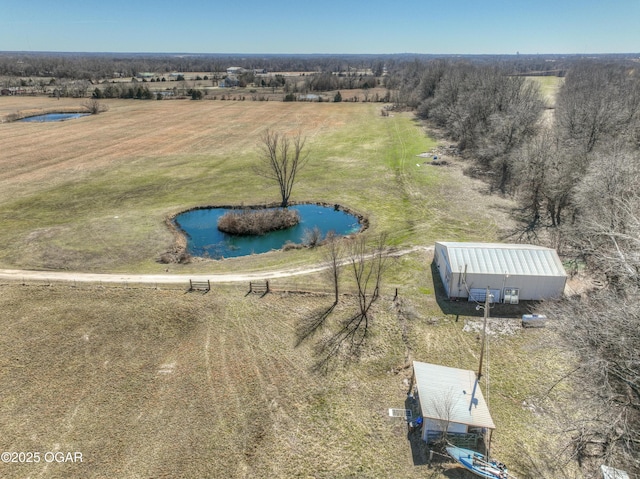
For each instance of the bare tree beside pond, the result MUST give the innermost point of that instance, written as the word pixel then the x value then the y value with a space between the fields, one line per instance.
pixel 334 251
pixel 94 106
pixel 346 337
pixel 368 267
pixel 281 160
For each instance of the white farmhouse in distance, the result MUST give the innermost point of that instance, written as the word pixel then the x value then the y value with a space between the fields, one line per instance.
pixel 235 71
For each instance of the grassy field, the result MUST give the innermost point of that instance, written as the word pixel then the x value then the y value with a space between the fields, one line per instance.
pixel 92 194
pixel 158 383
pixel 549 86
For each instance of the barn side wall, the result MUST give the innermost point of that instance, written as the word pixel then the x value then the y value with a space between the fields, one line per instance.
pixel 532 288
pixel 442 263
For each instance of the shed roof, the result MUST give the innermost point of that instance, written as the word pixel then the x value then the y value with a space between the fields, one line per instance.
pixel 612 473
pixel 451 394
pixel 498 258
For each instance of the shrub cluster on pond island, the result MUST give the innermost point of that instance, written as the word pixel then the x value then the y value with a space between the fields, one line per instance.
pixel 257 222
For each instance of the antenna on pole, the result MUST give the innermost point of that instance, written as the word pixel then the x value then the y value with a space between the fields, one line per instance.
pixel 484 331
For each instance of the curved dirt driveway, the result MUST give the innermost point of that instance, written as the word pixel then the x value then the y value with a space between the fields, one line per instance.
pixel 23 275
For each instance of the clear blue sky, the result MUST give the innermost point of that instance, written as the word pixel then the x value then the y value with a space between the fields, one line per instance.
pixel 324 26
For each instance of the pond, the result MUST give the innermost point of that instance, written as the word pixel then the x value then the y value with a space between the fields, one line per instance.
pixel 204 238
pixel 53 117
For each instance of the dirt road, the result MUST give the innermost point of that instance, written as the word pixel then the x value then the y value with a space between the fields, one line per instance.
pixel 24 275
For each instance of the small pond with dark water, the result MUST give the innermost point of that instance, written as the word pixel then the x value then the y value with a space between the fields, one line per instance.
pixel 204 239
pixel 53 117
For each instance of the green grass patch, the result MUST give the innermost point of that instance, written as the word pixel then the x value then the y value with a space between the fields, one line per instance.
pixel 111 219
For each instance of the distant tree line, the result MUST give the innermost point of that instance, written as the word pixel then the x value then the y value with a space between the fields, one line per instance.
pixel 327 81
pixel 489 112
pixel 115 90
pixel 99 66
pixel 575 173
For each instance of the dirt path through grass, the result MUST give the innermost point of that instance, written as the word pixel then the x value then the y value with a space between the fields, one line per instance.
pixel 24 275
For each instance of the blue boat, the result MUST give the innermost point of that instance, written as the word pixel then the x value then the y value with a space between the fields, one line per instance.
pixel 478 464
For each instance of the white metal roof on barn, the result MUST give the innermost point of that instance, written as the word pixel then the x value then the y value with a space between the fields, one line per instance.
pixel 451 394
pixel 498 258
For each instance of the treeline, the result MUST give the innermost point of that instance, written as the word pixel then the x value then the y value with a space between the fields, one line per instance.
pixel 100 66
pixel 575 173
pixel 115 90
pixel 580 178
pixel 487 111
pixel 327 81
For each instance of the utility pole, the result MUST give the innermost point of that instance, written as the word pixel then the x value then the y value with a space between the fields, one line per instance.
pixel 484 331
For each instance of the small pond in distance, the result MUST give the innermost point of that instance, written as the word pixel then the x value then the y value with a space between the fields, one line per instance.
pixel 204 238
pixel 53 117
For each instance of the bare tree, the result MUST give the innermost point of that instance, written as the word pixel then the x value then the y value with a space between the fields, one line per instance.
pixel 608 204
pixel 94 106
pixel 281 161
pixel 603 330
pixel 367 269
pixel 368 266
pixel 597 101
pixel 333 258
pixel 444 405
pixel 547 176
pixel 530 167
pixel 333 254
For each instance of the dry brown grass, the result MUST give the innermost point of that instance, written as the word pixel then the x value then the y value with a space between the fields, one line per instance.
pixel 158 383
pixel 163 383
pixel 136 130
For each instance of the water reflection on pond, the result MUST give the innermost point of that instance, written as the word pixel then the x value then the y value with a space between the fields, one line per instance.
pixel 53 117
pixel 204 238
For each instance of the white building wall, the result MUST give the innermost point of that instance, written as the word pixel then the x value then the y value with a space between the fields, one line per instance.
pixel 531 287
pixel 446 275
pixel 433 426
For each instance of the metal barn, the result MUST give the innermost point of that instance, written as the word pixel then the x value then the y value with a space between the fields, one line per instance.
pixel 513 272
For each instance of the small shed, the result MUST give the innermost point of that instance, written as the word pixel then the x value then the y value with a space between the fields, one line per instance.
pixel 451 400
pixel 513 272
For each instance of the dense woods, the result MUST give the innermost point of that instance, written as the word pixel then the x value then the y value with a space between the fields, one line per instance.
pixel 576 177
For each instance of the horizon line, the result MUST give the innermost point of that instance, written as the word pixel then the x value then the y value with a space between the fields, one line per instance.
pixel 312 54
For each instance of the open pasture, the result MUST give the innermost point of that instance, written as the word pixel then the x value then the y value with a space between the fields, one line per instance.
pixel 93 194
pixel 159 383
